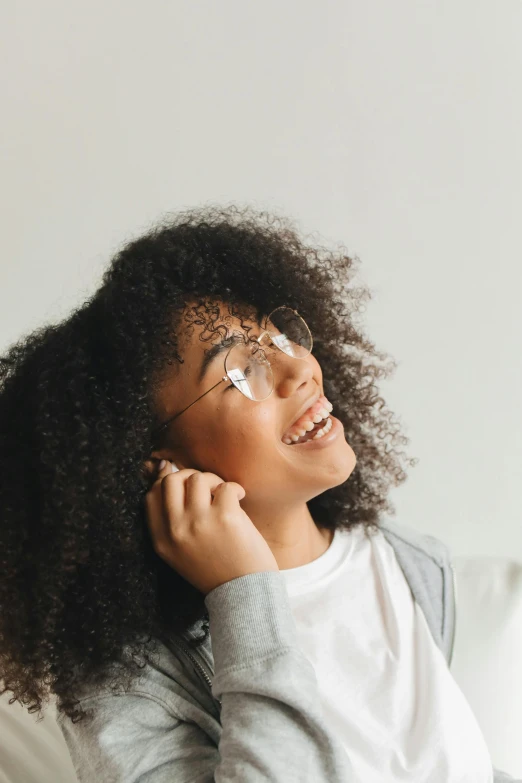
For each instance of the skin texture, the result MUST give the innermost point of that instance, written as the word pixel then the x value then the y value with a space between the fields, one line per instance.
pixel 240 440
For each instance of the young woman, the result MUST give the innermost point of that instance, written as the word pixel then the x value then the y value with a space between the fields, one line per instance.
pixel 196 564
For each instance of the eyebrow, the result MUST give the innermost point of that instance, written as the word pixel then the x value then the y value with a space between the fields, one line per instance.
pixel 217 349
pixel 211 354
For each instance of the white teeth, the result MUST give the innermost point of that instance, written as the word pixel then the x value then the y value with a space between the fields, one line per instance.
pixel 293 438
pixel 321 414
pixel 307 426
pixel 320 433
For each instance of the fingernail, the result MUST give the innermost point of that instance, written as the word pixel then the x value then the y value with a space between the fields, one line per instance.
pixel 162 464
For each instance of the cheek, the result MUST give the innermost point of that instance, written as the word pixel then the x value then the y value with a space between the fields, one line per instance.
pixel 245 430
pixel 249 436
pixel 249 456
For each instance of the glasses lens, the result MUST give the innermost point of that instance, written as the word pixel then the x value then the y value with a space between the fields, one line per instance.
pixel 250 371
pixel 289 332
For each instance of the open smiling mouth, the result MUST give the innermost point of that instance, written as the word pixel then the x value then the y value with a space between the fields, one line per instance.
pixel 314 424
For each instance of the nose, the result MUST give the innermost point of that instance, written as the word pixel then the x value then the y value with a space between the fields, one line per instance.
pixel 290 372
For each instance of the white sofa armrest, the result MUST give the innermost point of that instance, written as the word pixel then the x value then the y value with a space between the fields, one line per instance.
pixel 487 657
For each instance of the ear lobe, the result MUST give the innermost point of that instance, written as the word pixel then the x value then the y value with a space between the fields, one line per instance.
pixel 150 467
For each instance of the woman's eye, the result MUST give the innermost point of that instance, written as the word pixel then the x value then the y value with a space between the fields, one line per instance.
pixel 247 372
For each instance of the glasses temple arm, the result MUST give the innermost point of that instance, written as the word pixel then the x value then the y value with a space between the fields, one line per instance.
pixel 166 423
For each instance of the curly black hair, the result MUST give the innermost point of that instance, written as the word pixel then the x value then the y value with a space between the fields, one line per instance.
pixel 81 585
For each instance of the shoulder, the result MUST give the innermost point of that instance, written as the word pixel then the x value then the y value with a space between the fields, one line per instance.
pixel 399 534
pixel 426 562
pixel 162 674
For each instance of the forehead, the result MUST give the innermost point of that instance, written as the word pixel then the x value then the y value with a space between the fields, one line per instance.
pixel 206 321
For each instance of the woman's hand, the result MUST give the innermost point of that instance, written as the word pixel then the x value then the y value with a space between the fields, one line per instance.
pixel 201 531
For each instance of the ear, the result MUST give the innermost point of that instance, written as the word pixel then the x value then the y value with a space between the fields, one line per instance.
pixel 150 467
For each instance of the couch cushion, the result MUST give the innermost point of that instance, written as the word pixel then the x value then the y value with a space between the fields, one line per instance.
pixel 32 752
pixel 488 652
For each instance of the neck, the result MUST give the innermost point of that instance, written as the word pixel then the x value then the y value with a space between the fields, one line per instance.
pixel 291 534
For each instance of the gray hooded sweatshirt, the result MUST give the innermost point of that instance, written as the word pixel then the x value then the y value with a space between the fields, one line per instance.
pixel 245 706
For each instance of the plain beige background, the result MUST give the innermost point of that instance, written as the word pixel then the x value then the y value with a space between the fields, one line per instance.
pixel 393 128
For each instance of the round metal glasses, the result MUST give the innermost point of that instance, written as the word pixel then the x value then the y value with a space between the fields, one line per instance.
pixel 246 365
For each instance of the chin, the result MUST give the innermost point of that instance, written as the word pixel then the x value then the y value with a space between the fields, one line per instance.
pixel 341 466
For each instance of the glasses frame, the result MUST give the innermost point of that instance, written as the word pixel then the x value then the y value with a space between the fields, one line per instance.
pixel 253 342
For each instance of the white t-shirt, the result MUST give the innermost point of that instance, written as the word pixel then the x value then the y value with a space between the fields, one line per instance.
pixel 385 686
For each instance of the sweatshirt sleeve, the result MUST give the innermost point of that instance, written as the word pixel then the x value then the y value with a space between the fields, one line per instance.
pixel 271 718
pixel 273 727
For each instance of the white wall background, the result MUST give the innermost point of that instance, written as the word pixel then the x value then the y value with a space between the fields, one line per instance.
pixel 394 128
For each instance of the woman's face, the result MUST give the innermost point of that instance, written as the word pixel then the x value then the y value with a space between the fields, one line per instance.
pixel 240 440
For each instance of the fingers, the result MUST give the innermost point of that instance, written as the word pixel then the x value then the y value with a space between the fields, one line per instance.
pixel 176 499
pixel 189 498
pixel 228 494
pixel 185 497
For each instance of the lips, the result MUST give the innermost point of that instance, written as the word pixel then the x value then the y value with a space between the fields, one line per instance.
pixel 312 400
pixel 319 408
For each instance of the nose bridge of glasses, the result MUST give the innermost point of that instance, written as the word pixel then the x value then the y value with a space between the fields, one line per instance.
pixel 268 342
pixel 262 336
